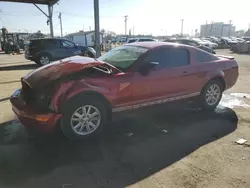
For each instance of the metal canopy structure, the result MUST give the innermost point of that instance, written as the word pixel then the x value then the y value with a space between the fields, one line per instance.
pixel 50 4
pixel 43 2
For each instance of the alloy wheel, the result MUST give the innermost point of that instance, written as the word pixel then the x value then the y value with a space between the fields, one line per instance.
pixel 44 60
pixel 85 120
pixel 213 94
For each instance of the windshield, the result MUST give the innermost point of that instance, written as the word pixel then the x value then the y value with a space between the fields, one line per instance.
pixel 123 57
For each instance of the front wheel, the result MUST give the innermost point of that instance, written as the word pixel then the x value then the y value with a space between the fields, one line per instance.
pixel 211 94
pixel 83 118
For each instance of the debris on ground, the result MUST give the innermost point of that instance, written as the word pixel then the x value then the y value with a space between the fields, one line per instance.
pixel 66 185
pixel 241 141
pixel 164 130
pixel 130 134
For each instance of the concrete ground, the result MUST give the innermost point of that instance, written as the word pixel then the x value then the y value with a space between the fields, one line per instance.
pixel 174 149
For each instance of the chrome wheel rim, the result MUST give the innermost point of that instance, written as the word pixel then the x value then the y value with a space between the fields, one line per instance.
pixel 85 120
pixel 44 60
pixel 213 94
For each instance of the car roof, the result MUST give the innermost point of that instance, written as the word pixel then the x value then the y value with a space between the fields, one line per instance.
pixel 49 38
pixel 153 44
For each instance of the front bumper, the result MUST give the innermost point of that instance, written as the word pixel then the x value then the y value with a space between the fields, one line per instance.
pixel 31 118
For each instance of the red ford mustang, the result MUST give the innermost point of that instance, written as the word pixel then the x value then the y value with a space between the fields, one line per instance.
pixel 81 94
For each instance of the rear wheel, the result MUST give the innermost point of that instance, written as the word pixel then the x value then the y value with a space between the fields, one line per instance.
pixel 43 59
pixel 211 94
pixel 84 117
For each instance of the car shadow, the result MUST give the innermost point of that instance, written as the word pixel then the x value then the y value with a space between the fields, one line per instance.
pixel 19 67
pixel 131 149
pixel 10 82
pixel 4 99
pixel 14 63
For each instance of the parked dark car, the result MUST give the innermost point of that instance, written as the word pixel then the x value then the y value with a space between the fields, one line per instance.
pixel 45 50
pixel 191 42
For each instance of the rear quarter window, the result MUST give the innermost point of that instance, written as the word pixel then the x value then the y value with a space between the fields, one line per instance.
pixel 35 42
pixel 204 57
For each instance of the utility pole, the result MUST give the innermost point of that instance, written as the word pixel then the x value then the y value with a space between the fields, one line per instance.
pixel 229 30
pixel 205 33
pixel 182 20
pixel 211 30
pixel 60 18
pixel 133 30
pixel 97 28
pixel 126 18
pixel 50 10
pixel 222 27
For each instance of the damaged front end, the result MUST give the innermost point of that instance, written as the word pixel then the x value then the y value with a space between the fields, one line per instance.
pixel 38 98
pixel 45 90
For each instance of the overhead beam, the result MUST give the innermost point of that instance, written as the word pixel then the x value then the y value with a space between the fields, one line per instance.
pixel 41 10
pixel 43 2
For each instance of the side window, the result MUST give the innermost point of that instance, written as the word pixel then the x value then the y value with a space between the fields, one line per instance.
pixel 169 57
pixel 49 42
pixel 68 44
pixel 203 57
pixel 178 57
pixel 159 56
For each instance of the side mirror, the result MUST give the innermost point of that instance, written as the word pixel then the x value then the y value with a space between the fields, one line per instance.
pixel 147 67
pixel 76 45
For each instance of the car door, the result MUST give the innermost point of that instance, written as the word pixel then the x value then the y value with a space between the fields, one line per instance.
pixel 70 49
pixel 54 47
pixel 170 78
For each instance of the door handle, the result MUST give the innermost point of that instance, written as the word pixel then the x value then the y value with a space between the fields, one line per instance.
pixel 185 72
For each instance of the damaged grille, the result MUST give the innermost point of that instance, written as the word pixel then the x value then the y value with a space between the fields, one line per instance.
pixel 36 98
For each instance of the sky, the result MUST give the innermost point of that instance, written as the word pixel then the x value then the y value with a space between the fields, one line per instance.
pixel 157 17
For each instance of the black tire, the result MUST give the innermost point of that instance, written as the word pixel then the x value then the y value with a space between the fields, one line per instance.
pixel 202 99
pixel 45 56
pixel 75 104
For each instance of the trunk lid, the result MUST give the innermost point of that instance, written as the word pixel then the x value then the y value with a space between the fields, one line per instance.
pixel 225 57
pixel 54 71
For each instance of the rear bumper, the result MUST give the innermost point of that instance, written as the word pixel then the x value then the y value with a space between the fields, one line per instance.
pixel 31 119
pixel 29 57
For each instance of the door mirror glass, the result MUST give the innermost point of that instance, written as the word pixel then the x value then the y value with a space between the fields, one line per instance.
pixel 147 67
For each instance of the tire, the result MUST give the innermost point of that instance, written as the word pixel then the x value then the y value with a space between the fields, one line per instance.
pixel 88 131
pixel 215 100
pixel 43 59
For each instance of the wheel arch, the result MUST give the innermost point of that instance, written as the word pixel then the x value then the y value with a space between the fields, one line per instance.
pixel 93 94
pixel 217 78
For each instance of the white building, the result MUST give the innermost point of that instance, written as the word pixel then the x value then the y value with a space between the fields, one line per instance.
pixel 84 38
pixel 217 29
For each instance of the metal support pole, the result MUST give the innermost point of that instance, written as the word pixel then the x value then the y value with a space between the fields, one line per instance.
pixel 126 18
pixel 97 28
pixel 50 20
pixel 229 30
pixel 60 17
pixel 182 20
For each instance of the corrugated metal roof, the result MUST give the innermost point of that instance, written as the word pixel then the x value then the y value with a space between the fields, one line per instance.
pixel 81 33
pixel 45 2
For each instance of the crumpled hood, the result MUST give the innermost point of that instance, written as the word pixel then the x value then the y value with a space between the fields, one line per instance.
pixel 54 71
